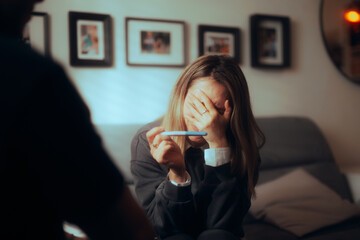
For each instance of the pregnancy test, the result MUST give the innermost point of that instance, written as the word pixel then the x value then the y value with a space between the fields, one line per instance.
pixel 184 133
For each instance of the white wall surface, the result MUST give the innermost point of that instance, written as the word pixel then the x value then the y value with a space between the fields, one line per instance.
pixel 312 87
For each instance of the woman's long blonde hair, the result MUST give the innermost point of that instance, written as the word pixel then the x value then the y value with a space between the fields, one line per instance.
pixel 243 133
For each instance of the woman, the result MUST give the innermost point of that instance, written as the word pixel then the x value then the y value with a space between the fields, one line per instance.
pixel 200 187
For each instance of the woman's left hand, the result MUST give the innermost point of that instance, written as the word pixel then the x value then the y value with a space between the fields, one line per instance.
pixel 206 117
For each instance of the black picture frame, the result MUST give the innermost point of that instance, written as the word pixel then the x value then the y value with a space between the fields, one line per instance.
pixel 219 40
pixel 90 37
pixel 37 33
pixel 270 41
pixel 155 42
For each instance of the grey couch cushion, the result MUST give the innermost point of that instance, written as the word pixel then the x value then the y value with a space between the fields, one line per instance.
pixel 299 203
pixel 327 173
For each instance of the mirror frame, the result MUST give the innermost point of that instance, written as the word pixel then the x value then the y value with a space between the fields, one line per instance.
pixel 357 80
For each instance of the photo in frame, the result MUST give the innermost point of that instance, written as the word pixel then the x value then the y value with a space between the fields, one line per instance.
pixel 219 40
pixel 270 41
pixel 36 33
pixel 90 39
pixel 155 42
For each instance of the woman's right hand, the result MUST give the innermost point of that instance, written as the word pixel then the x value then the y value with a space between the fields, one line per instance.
pixel 165 151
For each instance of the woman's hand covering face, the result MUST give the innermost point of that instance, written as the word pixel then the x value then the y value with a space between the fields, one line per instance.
pixel 208 117
pixel 207 108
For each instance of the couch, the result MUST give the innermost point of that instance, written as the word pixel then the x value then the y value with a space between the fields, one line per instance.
pixel 292 143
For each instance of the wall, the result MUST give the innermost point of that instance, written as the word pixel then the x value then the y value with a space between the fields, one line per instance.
pixel 312 87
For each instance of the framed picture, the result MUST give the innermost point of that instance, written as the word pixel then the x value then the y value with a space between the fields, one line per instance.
pixel 36 33
pixel 90 39
pixel 153 42
pixel 270 41
pixel 219 40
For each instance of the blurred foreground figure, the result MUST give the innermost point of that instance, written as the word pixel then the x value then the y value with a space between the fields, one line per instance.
pixel 53 167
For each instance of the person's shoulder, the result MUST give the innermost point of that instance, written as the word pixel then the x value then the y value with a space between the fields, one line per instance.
pixel 20 57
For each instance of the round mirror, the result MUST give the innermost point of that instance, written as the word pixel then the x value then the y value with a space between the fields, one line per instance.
pixel 340 26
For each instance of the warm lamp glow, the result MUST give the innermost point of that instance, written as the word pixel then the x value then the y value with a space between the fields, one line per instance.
pixel 352 16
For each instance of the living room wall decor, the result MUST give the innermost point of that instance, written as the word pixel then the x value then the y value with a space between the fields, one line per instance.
pixel 219 40
pixel 155 42
pixel 270 41
pixel 36 33
pixel 90 39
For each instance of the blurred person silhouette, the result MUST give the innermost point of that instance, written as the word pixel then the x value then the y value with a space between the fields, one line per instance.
pixel 199 187
pixel 53 167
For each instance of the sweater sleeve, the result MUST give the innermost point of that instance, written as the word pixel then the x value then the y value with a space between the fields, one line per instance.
pixel 169 208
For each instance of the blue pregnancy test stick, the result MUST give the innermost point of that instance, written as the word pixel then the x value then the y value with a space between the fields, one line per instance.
pixel 184 133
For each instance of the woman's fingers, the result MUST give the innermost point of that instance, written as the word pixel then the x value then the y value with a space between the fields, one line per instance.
pixel 193 110
pixel 205 100
pixel 198 105
pixel 152 133
pixel 158 143
pixel 166 153
pixel 159 139
pixel 164 150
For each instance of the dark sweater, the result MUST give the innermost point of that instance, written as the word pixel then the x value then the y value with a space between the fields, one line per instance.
pixel 53 167
pixel 214 200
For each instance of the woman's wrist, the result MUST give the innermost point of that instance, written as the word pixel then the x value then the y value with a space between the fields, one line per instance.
pixel 187 182
pixel 178 176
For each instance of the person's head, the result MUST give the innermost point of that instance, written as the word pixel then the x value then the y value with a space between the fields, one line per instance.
pixel 14 14
pixel 215 91
pixel 220 77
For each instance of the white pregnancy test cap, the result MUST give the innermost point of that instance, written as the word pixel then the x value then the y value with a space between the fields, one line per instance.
pixel 184 133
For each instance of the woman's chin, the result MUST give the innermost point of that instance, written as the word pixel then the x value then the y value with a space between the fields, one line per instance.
pixel 196 141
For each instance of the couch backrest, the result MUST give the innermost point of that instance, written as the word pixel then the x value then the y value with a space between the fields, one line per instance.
pixel 291 142
pixel 117 141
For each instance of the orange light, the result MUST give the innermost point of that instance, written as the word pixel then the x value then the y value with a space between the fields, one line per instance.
pixel 352 16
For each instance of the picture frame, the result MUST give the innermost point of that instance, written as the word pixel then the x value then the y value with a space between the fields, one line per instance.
pixel 36 33
pixel 270 41
pixel 219 40
pixel 155 42
pixel 90 37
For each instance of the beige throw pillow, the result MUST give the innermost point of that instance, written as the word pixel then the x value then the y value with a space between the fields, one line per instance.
pixel 299 203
